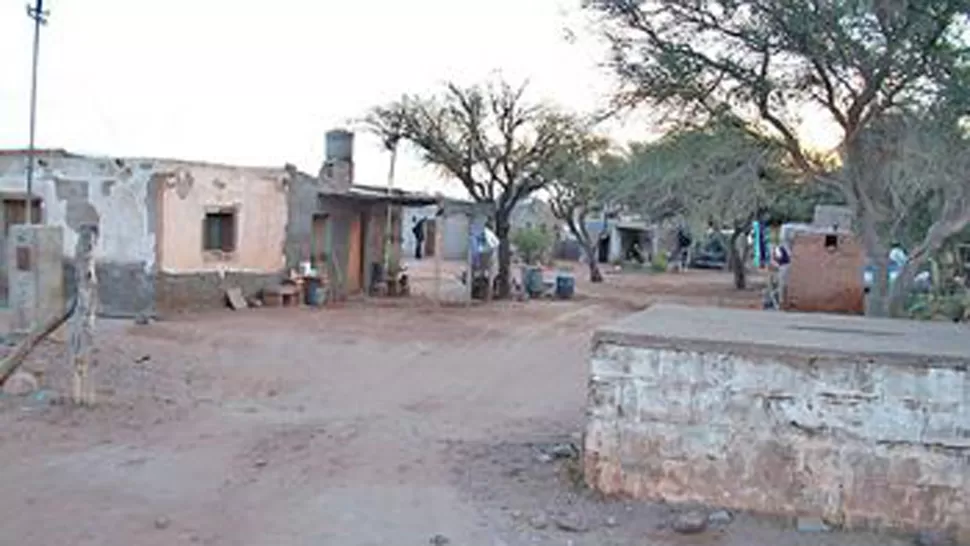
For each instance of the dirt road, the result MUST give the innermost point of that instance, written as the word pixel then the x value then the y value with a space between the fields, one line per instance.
pixel 365 425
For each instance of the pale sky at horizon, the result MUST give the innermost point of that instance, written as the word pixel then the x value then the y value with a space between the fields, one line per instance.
pixel 258 83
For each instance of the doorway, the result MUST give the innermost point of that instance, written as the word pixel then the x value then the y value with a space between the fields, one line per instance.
pixel 603 249
pixel 320 240
pixel 430 232
pixel 355 253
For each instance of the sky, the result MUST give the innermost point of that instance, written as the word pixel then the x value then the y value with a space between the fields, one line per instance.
pixel 259 82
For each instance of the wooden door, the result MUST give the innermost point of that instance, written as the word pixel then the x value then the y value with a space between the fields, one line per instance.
pixel 430 232
pixel 320 244
pixel 355 255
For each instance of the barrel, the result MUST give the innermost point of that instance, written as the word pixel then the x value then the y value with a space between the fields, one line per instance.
pixel 565 286
pixel 312 291
pixel 532 280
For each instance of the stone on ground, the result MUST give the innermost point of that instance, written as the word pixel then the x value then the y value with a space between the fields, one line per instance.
pixel 720 517
pixel 812 524
pixel 20 383
pixel 571 523
pixel 689 523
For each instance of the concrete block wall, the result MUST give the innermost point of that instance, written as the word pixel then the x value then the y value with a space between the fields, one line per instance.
pixel 861 441
pixel 826 279
pixel 37 280
pixel 116 194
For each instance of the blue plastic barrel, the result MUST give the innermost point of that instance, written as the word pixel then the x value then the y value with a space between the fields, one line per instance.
pixel 311 291
pixel 565 286
pixel 533 281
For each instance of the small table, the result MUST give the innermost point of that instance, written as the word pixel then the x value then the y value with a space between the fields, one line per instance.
pixel 285 295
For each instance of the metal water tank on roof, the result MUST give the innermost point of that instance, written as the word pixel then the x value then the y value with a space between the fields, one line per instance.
pixel 340 145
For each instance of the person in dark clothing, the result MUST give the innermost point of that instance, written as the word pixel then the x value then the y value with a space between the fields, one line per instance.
pixel 418 231
pixel 683 247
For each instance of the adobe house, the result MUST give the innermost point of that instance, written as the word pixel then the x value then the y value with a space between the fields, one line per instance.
pixel 173 234
pixel 339 225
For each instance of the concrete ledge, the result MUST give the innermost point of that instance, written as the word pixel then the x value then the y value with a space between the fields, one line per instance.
pixel 806 337
pixel 864 423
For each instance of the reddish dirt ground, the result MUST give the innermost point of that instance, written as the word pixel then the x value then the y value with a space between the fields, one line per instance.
pixel 373 423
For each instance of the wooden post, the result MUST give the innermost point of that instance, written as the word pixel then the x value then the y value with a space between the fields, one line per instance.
pixel 439 225
pixel 82 323
pixel 469 258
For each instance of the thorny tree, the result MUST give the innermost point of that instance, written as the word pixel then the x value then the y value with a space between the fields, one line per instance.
pixel 488 137
pixel 714 176
pixel 579 189
pixel 761 61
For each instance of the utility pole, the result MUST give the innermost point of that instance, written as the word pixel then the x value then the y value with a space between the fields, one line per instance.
pixel 39 15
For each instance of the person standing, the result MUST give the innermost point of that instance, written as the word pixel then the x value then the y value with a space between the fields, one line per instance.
pixel 418 231
pixel 684 242
pixel 782 260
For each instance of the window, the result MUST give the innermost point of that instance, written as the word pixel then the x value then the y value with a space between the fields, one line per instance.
pixel 219 231
pixel 15 212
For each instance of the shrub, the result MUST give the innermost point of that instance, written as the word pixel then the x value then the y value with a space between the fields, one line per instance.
pixel 532 244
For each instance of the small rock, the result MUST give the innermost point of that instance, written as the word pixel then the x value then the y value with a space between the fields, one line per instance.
pixel 162 522
pixel 571 523
pixel 260 463
pixel 539 521
pixel 544 457
pixel 811 524
pixel 611 522
pixel 143 358
pixel 516 514
pixel 933 538
pixel 142 319
pixel 720 517
pixel 690 523
pixel 439 540
pixel 563 451
pixel 20 383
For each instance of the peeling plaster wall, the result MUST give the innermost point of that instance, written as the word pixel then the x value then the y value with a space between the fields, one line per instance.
pixel 191 277
pixel 859 439
pixel 259 197
pixel 118 196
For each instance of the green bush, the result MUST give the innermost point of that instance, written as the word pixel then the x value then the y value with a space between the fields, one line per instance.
pixel 532 244
pixel 659 263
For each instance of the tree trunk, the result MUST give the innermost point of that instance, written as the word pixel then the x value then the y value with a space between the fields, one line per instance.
pixel 877 301
pixel 578 230
pixel 736 261
pixel 502 231
pixel 595 275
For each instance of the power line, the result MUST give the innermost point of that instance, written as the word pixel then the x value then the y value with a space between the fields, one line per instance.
pixel 39 16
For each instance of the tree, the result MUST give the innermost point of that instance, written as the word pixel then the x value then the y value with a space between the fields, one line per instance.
pixel 717 175
pixel 758 62
pixel 579 189
pixel 498 145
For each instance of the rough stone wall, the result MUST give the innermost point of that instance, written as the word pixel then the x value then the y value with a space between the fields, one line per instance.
pixel 862 442
pixel 825 280
pixel 118 195
pixel 196 291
